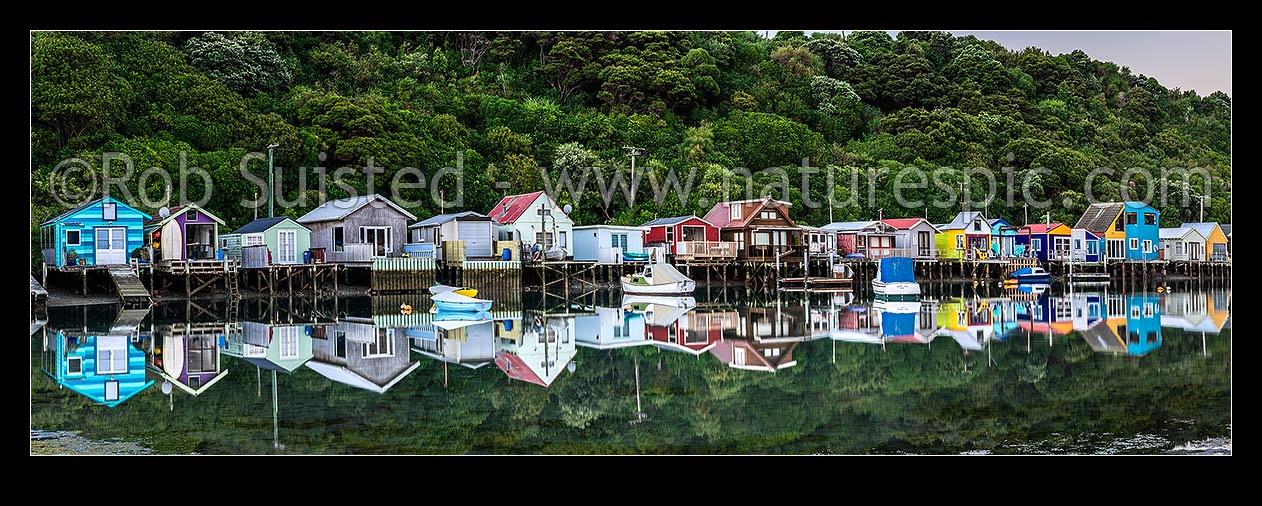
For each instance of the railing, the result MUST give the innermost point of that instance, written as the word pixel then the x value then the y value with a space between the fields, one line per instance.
pixel 403 264
pixel 354 253
pixel 769 252
pixel 705 249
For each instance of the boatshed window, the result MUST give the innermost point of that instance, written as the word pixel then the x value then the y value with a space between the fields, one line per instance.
pixel 339 239
pixel 1150 219
pixel 109 211
pixel 72 238
pixel 1131 219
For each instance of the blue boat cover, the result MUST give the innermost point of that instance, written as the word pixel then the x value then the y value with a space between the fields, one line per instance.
pixel 898 270
pixel 898 324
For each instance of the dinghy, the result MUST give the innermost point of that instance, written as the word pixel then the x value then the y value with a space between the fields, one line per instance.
pixel 628 256
pixel 462 290
pixel 451 301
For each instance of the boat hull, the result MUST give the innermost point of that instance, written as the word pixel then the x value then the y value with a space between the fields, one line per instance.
pixel 670 301
pixel 675 288
pixel 463 307
pixel 896 292
pixel 635 257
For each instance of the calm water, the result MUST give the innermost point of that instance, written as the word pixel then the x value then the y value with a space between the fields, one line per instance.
pixel 1082 372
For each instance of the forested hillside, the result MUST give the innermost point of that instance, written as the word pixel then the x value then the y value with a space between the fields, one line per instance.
pixel 510 103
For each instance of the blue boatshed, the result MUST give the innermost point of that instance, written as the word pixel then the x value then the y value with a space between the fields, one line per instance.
pixel 102 232
pixel 106 369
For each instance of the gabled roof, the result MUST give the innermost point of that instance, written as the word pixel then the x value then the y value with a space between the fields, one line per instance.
pixel 1039 228
pixel 260 225
pixel 513 366
pixel 671 221
pixel 338 209
pixel 87 205
pixel 509 209
pixel 1205 228
pixel 721 216
pixel 444 218
pixel 178 210
pixel 347 376
pixel 847 226
pixel 1098 217
pixel 999 222
pixel 964 219
pixel 1226 229
pixel 182 386
pixel 905 223
pixel 1177 232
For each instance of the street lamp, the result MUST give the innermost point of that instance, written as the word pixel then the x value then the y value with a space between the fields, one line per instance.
pixel 271 180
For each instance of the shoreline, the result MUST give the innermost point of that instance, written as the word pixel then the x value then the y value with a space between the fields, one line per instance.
pixel 62 442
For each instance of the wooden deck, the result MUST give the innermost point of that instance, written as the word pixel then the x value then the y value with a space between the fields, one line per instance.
pixel 39 303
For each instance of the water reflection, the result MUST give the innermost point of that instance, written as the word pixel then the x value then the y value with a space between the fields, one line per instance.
pixel 185 356
pixel 105 364
pixel 358 353
pixel 111 356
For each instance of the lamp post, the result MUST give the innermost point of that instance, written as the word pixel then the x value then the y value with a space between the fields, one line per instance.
pixel 271 180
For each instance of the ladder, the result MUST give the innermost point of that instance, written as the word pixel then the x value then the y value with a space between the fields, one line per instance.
pixel 232 279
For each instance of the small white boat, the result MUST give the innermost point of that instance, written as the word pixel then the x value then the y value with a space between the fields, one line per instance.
pixel 462 290
pixel 895 280
pixel 452 301
pixel 459 324
pixel 688 302
pixel 658 279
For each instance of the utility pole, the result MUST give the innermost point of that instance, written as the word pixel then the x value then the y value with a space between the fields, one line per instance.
pixel 271 180
pixel 633 152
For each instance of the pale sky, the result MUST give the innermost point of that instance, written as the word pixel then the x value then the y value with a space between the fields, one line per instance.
pixel 1196 60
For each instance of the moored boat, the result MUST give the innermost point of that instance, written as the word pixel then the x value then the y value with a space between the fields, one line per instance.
pixel 1031 275
pixel 634 301
pixel 658 279
pixel 451 301
pixel 895 280
pixel 462 290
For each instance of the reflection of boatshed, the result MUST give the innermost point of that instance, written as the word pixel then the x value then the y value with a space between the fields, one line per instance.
pixel 473 345
pixel 355 352
pixel 187 356
pixel 754 356
pixel 105 364
pixel 281 348
pixel 546 347
pixel 609 328
pixel 107 369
